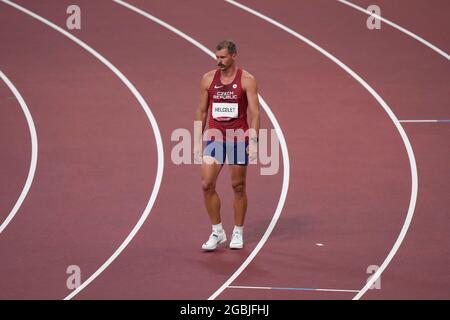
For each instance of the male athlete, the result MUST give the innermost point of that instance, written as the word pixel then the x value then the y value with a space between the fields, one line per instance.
pixel 227 93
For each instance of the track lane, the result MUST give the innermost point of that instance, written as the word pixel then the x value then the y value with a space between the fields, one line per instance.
pixel 420 269
pixel 393 118
pixel 34 152
pixel 95 171
pixel 15 157
pixel 165 255
pixel 392 70
pixel 427 19
pixel 399 61
pixel 277 135
pixel 313 75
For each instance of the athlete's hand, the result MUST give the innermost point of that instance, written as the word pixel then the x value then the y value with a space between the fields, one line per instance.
pixel 197 154
pixel 252 151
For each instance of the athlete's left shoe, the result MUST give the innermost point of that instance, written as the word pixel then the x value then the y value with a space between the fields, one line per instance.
pixel 214 240
pixel 237 240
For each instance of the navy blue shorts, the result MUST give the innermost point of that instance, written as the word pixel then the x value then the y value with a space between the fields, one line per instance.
pixel 234 152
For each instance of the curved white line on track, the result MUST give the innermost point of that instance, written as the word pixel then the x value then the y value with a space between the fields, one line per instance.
pixel 412 161
pixel 396 26
pixel 34 152
pixel 153 123
pixel 278 130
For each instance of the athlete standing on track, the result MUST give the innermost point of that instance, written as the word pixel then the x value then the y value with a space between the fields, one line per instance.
pixel 226 95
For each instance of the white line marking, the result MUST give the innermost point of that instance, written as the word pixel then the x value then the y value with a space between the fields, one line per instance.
pixel 34 152
pixel 291 289
pixel 412 161
pixel 424 121
pixel 278 130
pixel 250 287
pixel 396 26
pixel 336 290
pixel 153 123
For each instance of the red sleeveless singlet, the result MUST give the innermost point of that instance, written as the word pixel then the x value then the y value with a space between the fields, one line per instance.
pixel 227 107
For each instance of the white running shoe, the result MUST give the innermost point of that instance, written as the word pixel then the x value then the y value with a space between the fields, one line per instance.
pixel 237 240
pixel 214 240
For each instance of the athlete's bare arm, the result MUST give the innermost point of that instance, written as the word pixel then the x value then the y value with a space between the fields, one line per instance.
pixel 251 89
pixel 202 110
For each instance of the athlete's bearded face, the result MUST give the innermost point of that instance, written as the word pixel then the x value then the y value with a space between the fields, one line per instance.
pixel 225 59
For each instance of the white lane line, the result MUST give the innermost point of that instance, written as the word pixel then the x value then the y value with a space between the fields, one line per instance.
pixel 291 289
pixel 249 287
pixel 284 149
pixel 384 105
pixel 153 123
pixel 425 121
pixel 396 26
pixel 34 151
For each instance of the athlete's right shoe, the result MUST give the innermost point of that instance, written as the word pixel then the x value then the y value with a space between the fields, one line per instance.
pixel 214 240
pixel 237 240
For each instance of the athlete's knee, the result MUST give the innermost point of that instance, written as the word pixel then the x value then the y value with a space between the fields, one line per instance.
pixel 239 188
pixel 208 186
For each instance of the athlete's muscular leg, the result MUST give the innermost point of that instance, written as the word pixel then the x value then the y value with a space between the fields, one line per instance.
pixel 210 172
pixel 238 182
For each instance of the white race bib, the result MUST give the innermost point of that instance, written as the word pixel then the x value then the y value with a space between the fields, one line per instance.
pixel 225 110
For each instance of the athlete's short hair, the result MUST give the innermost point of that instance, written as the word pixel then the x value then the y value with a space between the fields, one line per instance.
pixel 228 44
